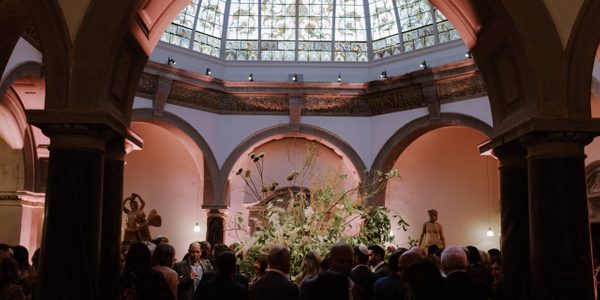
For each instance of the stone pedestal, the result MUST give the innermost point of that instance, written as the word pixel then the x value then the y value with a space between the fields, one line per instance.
pixel 561 262
pixel 514 216
pixel 215 226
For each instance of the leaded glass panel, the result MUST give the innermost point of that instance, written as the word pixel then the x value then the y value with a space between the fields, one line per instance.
pixel 242 32
pixel 179 31
pixel 350 33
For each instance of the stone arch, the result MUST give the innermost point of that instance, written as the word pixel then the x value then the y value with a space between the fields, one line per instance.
pixel 397 143
pixel 327 138
pixel 27 69
pixel 581 52
pixel 181 128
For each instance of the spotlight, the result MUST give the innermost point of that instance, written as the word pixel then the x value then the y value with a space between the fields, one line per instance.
pixel 383 74
pixel 339 78
pixel 468 55
pixel 250 77
pixel 171 61
pixel 423 65
pixel 295 77
pixel 208 71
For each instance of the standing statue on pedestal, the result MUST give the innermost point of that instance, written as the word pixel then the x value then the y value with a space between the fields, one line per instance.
pixel 137 225
pixel 432 232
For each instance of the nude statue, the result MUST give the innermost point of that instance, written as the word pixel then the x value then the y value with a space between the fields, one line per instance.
pixel 137 225
pixel 432 232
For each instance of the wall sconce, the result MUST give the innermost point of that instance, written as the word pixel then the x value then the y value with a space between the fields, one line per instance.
pixel 383 74
pixel 250 77
pixel 171 61
pixel 208 71
pixel 468 55
pixel 339 79
pixel 423 65
pixel 196 227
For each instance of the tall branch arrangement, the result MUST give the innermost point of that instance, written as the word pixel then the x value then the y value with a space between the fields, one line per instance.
pixel 314 218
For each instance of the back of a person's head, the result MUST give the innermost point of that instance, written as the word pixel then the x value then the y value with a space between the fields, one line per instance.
pixel 361 254
pixel 424 279
pixel 331 286
pixel 163 255
pixel 261 259
pixel 341 257
pixel 454 259
pixel 433 249
pixel 376 249
pixel 138 259
pixel 393 259
pixel 9 270
pixel 21 255
pixel 161 239
pixel 5 250
pixel 409 257
pixel 494 252
pixel 473 255
pixel 226 263
pixel 220 247
pixel 279 258
pixel 311 264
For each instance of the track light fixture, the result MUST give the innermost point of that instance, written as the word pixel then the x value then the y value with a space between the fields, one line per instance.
pixel 295 77
pixel 208 71
pixel 468 55
pixel 171 61
pixel 423 65
pixel 383 74
pixel 250 77
pixel 339 79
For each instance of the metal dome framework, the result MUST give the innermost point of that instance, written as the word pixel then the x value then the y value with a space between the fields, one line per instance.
pixel 308 30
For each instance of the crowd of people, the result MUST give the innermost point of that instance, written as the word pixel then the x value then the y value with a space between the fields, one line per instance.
pixel 150 270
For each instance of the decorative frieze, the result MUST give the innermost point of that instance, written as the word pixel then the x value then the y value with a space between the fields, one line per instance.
pixel 453 88
pixel 401 99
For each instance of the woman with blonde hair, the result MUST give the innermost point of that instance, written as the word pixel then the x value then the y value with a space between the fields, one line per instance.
pixel 310 267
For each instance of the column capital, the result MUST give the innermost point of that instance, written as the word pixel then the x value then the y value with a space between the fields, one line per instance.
pixel 544 144
pixel 511 155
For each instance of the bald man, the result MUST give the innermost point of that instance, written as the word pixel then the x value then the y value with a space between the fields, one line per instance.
pixel 334 284
pixel 275 283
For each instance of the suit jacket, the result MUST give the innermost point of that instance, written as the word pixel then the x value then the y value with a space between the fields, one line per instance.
pixel 220 287
pixel 275 286
pixel 363 276
pixel 382 270
pixel 330 285
pixel 185 287
pixel 458 285
pixel 389 287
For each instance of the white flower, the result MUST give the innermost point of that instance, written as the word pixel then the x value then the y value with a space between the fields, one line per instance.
pixel 308 212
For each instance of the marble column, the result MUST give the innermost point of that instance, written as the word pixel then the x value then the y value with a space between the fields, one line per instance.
pixel 70 252
pixel 111 218
pixel 514 221
pixel 560 250
pixel 215 226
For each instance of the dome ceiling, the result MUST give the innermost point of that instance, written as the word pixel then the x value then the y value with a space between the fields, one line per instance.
pixel 308 30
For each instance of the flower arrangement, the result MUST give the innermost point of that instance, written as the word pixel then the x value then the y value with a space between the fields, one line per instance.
pixel 312 219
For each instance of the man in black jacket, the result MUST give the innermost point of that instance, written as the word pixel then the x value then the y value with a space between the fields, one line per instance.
pixel 458 284
pixel 275 284
pixel 361 274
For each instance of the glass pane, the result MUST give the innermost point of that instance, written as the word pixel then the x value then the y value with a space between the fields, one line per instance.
pixel 278 21
pixel 242 32
pixel 350 36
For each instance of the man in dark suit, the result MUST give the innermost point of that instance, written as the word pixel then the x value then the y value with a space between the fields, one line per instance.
pixel 275 284
pixel 190 272
pixel 222 286
pixel 377 261
pixel 458 284
pixel 391 286
pixel 361 274
pixel 334 284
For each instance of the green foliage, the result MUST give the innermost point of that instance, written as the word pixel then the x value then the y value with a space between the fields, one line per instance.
pixel 313 219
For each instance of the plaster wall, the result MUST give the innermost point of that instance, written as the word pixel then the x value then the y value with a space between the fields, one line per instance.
pixel 169 179
pixel 476 107
pixel 10 231
pixel 12 167
pixel 443 170
pixel 23 52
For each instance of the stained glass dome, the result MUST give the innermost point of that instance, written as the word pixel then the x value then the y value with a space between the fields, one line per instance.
pixel 308 30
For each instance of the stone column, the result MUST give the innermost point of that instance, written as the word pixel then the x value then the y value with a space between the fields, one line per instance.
pixel 215 226
pixel 561 261
pixel 514 219
pixel 111 218
pixel 70 252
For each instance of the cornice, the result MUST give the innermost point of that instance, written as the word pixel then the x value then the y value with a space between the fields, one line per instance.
pixel 451 82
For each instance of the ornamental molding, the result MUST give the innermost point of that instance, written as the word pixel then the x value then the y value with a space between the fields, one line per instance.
pixel 452 83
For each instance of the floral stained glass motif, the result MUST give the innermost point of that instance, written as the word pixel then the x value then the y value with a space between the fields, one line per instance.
pixel 242 33
pixel 278 29
pixel 384 29
pixel 315 26
pixel 416 20
pixel 209 27
pixel 350 33
pixel 180 30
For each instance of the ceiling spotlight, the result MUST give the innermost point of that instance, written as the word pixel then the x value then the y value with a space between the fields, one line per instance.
pixel 295 77
pixel 423 65
pixel 208 71
pixel 339 78
pixel 468 55
pixel 250 77
pixel 383 74
pixel 171 61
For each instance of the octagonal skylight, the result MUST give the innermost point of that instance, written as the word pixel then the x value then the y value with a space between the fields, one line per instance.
pixel 308 30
